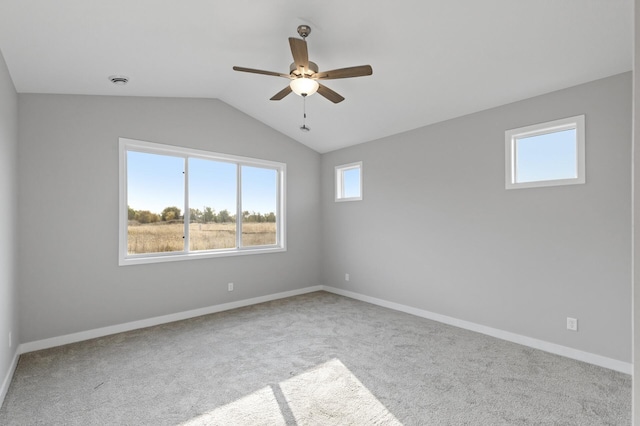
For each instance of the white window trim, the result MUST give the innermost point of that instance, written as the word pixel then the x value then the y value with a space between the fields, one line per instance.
pixel 339 180
pixel 154 148
pixel 577 122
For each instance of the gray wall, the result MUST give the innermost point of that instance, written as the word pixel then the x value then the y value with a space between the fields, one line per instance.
pixel 636 215
pixel 8 201
pixel 68 208
pixel 438 231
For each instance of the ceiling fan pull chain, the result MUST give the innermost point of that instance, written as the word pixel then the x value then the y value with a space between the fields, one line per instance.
pixel 304 127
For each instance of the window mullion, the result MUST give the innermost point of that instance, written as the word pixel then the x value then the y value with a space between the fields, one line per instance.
pixel 186 215
pixel 514 164
pixel 278 201
pixel 239 207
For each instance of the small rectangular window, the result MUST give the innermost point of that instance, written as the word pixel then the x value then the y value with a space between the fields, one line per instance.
pixel 546 154
pixel 349 182
pixel 178 203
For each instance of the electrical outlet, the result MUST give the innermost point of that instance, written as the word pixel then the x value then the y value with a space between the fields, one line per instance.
pixel 230 286
pixel 346 277
pixel 572 324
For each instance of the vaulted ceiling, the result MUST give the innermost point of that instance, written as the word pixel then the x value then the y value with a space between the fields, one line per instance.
pixel 432 60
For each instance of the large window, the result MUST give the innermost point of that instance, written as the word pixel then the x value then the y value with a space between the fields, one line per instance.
pixel 179 203
pixel 546 154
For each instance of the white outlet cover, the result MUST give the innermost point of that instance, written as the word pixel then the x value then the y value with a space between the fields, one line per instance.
pixel 572 324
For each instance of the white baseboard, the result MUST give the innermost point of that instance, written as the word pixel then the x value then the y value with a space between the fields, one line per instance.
pixel 7 378
pixel 599 360
pixel 164 319
pixel 610 363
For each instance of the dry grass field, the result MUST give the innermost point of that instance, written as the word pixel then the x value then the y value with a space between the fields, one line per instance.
pixel 161 237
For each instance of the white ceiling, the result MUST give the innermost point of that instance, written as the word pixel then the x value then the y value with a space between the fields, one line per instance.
pixel 432 59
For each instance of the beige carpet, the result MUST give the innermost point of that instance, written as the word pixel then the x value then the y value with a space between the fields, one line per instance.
pixel 316 359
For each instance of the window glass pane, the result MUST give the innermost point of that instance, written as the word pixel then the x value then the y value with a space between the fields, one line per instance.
pixel 212 204
pixel 551 156
pixel 351 182
pixel 155 199
pixel 259 206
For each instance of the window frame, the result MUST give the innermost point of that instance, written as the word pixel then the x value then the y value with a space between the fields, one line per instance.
pixel 339 181
pixel 512 136
pixel 124 258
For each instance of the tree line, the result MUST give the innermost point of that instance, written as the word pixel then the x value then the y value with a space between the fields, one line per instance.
pixel 207 215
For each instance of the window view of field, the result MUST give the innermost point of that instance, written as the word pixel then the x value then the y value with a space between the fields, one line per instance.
pixel 215 186
pixel 155 233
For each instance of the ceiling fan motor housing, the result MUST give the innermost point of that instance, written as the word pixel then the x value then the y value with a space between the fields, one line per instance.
pixel 312 69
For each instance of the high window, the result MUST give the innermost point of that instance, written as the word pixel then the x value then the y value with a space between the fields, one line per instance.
pixel 349 182
pixel 546 154
pixel 178 203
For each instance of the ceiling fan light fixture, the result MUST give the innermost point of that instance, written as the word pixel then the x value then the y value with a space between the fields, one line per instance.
pixel 303 73
pixel 304 86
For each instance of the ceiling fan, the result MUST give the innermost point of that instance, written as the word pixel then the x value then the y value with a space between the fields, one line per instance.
pixel 304 74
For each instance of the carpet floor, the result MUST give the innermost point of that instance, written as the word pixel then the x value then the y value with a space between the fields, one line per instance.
pixel 315 359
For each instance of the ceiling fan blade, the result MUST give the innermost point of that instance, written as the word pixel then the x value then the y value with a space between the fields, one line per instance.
pixel 254 71
pixel 330 94
pixel 349 72
pixel 300 53
pixel 281 94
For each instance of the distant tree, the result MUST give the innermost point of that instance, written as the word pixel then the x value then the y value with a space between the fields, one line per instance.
pixel 224 216
pixel 271 217
pixel 209 215
pixel 195 215
pixel 145 216
pixel 170 213
pixel 132 213
pixel 256 217
pixel 245 215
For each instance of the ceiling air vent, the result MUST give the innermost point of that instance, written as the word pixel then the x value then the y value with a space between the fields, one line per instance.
pixel 120 80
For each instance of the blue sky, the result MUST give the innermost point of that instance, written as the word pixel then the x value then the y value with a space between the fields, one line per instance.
pixel 157 181
pixel 351 181
pixel 546 157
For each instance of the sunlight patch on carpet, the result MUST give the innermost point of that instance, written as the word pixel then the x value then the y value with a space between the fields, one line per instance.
pixel 331 394
pixel 326 394
pixel 257 408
